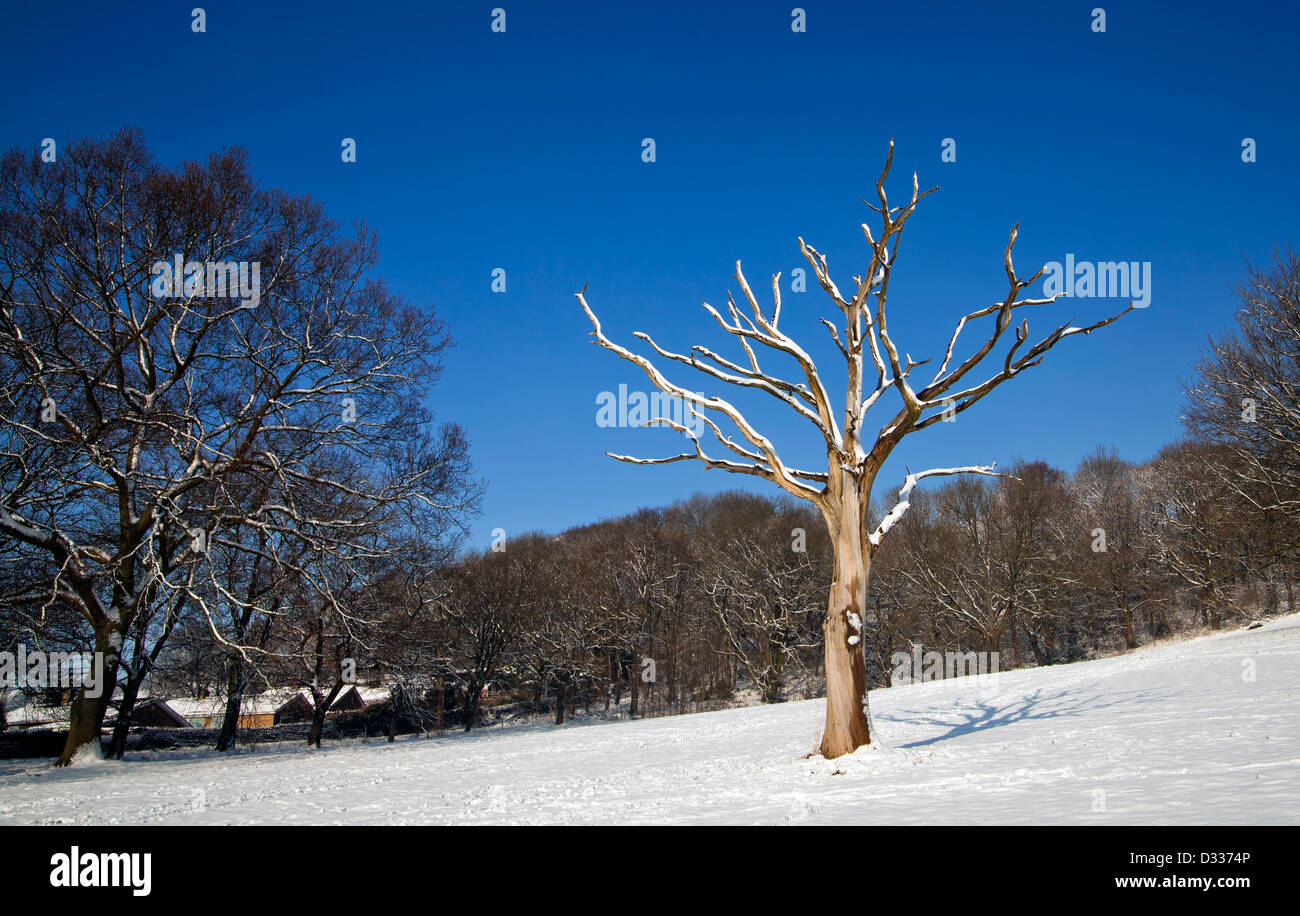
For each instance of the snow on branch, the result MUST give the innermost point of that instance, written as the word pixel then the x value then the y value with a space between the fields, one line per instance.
pixel 864 340
pixel 773 469
pixel 900 508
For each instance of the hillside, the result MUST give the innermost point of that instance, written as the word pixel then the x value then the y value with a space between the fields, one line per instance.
pixel 1170 734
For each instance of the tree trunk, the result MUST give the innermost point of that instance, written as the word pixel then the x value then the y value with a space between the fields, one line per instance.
pixel 130 691
pixel 86 718
pixel 609 680
pixel 1126 614
pixel 234 700
pixel 1042 651
pixel 469 710
pixel 317 724
pixel 635 678
pixel 321 705
pixel 771 687
pixel 847 726
pixel 559 703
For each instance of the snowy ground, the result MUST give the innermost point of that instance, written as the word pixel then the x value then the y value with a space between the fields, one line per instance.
pixel 1168 735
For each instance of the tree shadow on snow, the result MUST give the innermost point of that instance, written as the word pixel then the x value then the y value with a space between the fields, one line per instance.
pixel 993 713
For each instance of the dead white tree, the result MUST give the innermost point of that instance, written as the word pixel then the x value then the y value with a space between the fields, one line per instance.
pixel 842 492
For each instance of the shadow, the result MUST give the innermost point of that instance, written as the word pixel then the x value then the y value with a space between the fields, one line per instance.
pixel 1038 705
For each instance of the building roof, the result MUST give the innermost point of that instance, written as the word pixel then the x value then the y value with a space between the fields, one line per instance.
pixel 37 715
pixel 268 703
pixel 374 694
pixel 256 704
pixel 162 706
pixel 22 711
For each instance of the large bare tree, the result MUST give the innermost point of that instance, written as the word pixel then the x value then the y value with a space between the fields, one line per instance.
pixel 842 491
pixel 142 422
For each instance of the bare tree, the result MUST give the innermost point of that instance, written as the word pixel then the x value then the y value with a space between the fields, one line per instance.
pixel 1199 526
pixel 1114 560
pixel 842 492
pixel 246 589
pixel 965 561
pixel 644 564
pixel 568 634
pixel 486 602
pixel 1034 526
pixel 135 406
pixel 1246 392
pixel 411 647
pixel 1245 395
pixel 763 584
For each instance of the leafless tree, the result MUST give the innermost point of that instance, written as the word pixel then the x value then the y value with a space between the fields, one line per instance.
pixel 842 491
pixel 412 647
pixel 1111 543
pixel 1245 395
pixel 1035 529
pixel 649 562
pixel 1198 523
pixel 764 581
pixel 247 588
pixel 1246 391
pixel 485 603
pixel 959 564
pixel 130 407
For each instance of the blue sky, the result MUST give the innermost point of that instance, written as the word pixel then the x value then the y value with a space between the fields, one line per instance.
pixel 478 150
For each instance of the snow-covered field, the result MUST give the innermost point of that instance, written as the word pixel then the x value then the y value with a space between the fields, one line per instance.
pixel 1174 734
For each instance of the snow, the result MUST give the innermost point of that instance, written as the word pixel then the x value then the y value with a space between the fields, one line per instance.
pixel 1176 733
pixel 263 704
pixel 888 522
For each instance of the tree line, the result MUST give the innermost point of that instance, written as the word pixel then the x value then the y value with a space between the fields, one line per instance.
pixel 719 599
